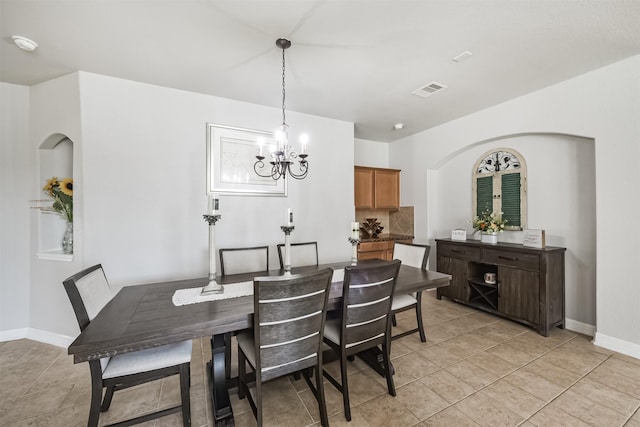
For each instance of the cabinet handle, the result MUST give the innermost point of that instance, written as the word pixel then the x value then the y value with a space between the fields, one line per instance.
pixel 456 251
pixel 507 258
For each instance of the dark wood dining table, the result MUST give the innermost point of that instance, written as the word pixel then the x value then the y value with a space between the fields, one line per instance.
pixel 144 316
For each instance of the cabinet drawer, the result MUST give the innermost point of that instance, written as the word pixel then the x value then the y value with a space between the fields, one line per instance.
pixel 519 260
pixel 459 251
pixel 373 246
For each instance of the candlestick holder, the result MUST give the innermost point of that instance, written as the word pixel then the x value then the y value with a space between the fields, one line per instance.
pixel 212 287
pixel 354 253
pixel 287 229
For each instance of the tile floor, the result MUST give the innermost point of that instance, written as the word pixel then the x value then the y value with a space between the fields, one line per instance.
pixel 475 369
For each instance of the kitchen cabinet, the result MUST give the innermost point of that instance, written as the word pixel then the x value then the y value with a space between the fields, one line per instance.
pixel 376 188
pixel 379 249
pixel 529 284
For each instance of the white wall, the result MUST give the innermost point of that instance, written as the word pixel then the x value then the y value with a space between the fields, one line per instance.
pixel 371 153
pixel 603 105
pixel 139 185
pixel 16 179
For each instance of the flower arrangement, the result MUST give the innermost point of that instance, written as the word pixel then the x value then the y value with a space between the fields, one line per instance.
pixel 61 192
pixel 489 222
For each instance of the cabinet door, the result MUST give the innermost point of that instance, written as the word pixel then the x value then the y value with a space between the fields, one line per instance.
pixel 364 196
pixel 387 189
pixel 372 255
pixel 458 288
pixel 519 293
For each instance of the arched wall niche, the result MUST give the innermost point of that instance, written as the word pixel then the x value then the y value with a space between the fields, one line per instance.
pixel 561 199
pixel 55 159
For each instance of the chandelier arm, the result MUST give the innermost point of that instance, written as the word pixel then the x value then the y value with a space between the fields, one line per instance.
pixel 304 170
pixel 261 164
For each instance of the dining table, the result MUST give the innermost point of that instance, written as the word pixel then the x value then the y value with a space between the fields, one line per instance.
pixel 143 316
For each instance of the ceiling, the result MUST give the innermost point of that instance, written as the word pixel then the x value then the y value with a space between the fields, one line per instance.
pixel 351 60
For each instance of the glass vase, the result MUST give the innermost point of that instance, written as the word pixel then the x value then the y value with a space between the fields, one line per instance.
pixel 67 239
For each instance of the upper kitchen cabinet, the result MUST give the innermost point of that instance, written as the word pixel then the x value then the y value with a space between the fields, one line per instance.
pixel 377 189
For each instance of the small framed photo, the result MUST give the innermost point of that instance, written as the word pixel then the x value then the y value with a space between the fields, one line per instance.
pixel 533 238
pixel 231 156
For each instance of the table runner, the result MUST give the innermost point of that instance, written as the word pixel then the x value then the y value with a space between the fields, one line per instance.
pixel 233 290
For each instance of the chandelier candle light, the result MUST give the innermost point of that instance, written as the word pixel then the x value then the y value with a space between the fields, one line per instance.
pixel 212 217
pixel 283 155
pixel 287 228
pixel 355 240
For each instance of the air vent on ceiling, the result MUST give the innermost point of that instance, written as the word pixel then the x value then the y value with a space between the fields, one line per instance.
pixel 429 89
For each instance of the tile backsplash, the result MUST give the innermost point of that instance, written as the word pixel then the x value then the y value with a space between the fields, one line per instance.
pixel 397 222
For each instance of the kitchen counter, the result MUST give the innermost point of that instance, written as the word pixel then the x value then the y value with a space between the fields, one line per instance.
pixel 387 236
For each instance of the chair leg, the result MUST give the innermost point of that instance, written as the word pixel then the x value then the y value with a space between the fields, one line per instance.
pixel 242 366
pixel 423 337
pixel 96 393
pixel 394 322
pixel 322 404
pixel 185 374
pixel 345 387
pixel 387 367
pixel 258 411
pixel 108 396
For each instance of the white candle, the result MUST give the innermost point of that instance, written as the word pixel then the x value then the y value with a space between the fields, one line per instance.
pixel 304 138
pixel 214 204
pixel 355 230
pixel 288 217
pixel 260 144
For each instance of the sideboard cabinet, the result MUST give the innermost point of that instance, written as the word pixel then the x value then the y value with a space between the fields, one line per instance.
pixel 529 285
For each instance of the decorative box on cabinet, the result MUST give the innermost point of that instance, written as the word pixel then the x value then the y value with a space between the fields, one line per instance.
pixel 529 286
pixel 377 188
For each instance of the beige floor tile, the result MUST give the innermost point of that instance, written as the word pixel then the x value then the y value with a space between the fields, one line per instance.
pixel 398 349
pixel 488 412
pixel 420 400
pixel 386 410
pixel 30 405
pixel 587 410
pixel 471 374
pixel 625 365
pixel 497 366
pixel 554 416
pixel 332 397
pixel 440 354
pixel 513 398
pixel 632 423
pixel 448 418
pixel 557 375
pixel 357 419
pixel 606 396
pixel 364 387
pixel 511 354
pixel 608 374
pixel 408 368
pixel 533 384
pixel 571 360
pixel 447 386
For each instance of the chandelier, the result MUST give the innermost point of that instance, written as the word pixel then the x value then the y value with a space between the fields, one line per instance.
pixel 283 156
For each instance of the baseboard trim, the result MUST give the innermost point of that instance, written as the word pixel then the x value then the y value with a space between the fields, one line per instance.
pixel 36 335
pixel 580 327
pixel 616 344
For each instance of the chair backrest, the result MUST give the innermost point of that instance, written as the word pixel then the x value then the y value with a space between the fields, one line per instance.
pixel 244 260
pixel 301 254
pixel 289 313
pixel 412 254
pixel 88 292
pixel 367 293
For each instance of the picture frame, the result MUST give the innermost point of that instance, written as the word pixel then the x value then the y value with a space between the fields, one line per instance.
pixel 231 155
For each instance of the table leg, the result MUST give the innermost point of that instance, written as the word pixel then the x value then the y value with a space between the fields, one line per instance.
pixel 222 411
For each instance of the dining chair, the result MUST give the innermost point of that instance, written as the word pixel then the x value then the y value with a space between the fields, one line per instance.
pixel 89 292
pixel 413 255
pixel 244 260
pixel 237 261
pixel 364 324
pixel 302 254
pixel 289 316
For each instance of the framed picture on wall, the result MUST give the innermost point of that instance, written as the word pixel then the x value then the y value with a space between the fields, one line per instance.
pixel 231 155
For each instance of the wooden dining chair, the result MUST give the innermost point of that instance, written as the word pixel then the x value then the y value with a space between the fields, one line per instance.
pixel 89 292
pixel 302 254
pixel 367 294
pixel 413 255
pixel 288 320
pixel 236 261
pixel 244 260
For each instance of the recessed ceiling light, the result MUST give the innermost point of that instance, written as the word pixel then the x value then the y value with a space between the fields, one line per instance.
pixel 398 126
pixel 461 57
pixel 25 43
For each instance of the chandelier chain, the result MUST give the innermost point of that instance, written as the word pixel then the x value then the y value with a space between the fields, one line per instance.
pixel 284 122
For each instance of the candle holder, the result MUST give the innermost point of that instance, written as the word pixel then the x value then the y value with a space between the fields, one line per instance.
pixel 354 253
pixel 212 287
pixel 287 229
